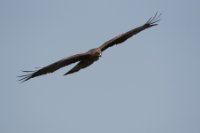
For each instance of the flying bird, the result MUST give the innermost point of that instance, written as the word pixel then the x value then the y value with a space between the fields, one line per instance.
pixel 86 59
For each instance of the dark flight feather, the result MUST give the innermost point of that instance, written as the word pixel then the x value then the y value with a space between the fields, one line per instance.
pixel 53 67
pixel 123 37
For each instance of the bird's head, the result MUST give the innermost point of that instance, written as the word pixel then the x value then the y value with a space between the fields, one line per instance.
pixel 96 52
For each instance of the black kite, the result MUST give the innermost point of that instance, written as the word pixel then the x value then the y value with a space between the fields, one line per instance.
pixel 89 57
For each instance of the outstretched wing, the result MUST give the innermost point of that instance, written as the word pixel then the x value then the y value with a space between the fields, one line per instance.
pixel 123 37
pixel 54 66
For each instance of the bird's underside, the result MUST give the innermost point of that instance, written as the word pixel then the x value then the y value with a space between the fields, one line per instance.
pixel 86 59
pixel 82 64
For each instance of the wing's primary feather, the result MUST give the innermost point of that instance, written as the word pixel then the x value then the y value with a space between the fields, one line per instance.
pixel 123 37
pixel 53 67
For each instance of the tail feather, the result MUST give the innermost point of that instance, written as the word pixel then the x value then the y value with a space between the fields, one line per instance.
pixel 79 66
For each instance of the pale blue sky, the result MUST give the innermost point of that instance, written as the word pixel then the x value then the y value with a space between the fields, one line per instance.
pixel 149 84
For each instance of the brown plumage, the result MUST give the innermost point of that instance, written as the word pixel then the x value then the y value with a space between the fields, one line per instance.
pixel 89 57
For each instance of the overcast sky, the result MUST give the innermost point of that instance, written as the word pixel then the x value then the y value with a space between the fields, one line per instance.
pixel 149 84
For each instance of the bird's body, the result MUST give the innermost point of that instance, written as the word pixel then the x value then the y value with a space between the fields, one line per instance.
pixel 86 59
pixel 94 55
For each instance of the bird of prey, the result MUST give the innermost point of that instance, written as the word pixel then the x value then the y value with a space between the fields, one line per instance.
pixel 86 59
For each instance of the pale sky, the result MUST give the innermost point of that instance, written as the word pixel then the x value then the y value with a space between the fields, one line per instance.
pixel 149 84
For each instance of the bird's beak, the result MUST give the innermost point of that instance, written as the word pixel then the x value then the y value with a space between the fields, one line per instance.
pixel 100 54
